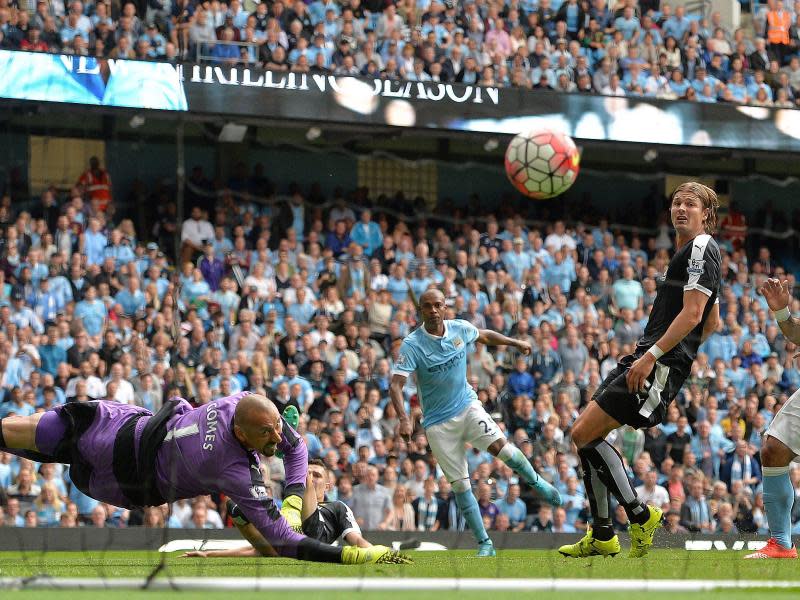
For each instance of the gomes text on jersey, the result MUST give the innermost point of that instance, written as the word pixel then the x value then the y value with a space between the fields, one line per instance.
pixel 695 266
pixel 440 365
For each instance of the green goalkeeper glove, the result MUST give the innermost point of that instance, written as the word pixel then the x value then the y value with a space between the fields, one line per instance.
pixel 292 505
pixel 379 555
pixel 292 417
pixel 291 511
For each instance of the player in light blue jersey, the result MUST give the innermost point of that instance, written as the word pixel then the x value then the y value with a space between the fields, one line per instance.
pixel 781 440
pixel 452 414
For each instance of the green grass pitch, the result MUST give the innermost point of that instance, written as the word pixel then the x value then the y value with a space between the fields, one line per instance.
pixel 472 595
pixel 534 564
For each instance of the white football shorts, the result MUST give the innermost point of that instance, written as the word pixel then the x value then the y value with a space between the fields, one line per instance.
pixel 447 439
pixel 785 426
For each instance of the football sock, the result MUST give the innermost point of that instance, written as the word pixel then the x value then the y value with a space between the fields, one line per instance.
pixel 599 502
pixel 472 515
pixel 514 458
pixel 778 499
pixel 314 550
pixel 608 464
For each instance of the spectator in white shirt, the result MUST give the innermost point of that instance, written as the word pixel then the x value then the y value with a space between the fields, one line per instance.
pixel 613 88
pixel 377 280
pixel 265 285
pixel 194 231
pixel 94 386
pixel 83 22
pixel 652 493
pixel 559 238
pixel 124 390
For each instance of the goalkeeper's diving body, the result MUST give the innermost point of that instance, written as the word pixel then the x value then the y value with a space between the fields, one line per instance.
pixel 128 457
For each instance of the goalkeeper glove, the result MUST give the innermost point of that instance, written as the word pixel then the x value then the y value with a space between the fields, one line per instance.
pixel 292 417
pixel 379 555
pixel 290 510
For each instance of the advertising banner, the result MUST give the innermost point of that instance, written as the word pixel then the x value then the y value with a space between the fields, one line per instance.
pixel 87 80
pixel 241 92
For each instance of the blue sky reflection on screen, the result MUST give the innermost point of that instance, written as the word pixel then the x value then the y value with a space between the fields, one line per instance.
pixel 86 80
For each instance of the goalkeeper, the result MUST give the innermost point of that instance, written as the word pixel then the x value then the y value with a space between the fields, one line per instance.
pixel 327 522
pixel 128 457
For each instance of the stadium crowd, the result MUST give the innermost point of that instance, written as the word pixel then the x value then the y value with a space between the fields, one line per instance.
pixel 620 48
pixel 307 301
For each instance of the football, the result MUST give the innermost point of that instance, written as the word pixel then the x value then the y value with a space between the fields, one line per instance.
pixel 542 163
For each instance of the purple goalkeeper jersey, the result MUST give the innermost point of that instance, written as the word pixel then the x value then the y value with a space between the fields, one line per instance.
pixel 200 455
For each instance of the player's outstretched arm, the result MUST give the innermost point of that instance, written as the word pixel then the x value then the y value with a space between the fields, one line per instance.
pixel 258 545
pixel 295 460
pixel 243 552
pixel 396 394
pixel 694 302
pixel 309 498
pixel 492 338
pixel 779 298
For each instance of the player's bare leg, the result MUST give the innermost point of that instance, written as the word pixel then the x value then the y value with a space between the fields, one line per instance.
pixel 778 499
pixel 593 423
pixel 35 437
pixel 19 433
pixel 514 458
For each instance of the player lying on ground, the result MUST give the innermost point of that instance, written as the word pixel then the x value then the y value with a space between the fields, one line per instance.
pixel 684 313
pixel 128 457
pixel 452 414
pixel 781 440
pixel 327 522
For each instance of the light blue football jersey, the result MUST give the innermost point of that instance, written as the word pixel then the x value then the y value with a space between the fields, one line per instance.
pixel 440 364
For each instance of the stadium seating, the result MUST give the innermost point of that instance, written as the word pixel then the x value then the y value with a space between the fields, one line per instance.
pixel 306 302
pixel 573 46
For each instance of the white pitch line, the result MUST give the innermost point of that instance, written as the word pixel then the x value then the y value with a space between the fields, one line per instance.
pixel 391 584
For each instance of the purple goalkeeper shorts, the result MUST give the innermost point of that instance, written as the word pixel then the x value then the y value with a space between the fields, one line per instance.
pixel 83 434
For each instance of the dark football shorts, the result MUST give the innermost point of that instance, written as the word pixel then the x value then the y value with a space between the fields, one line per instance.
pixel 643 409
pixel 330 522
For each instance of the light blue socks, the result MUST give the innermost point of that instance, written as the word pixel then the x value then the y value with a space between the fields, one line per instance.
pixel 472 515
pixel 514 458
pixel 778 500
